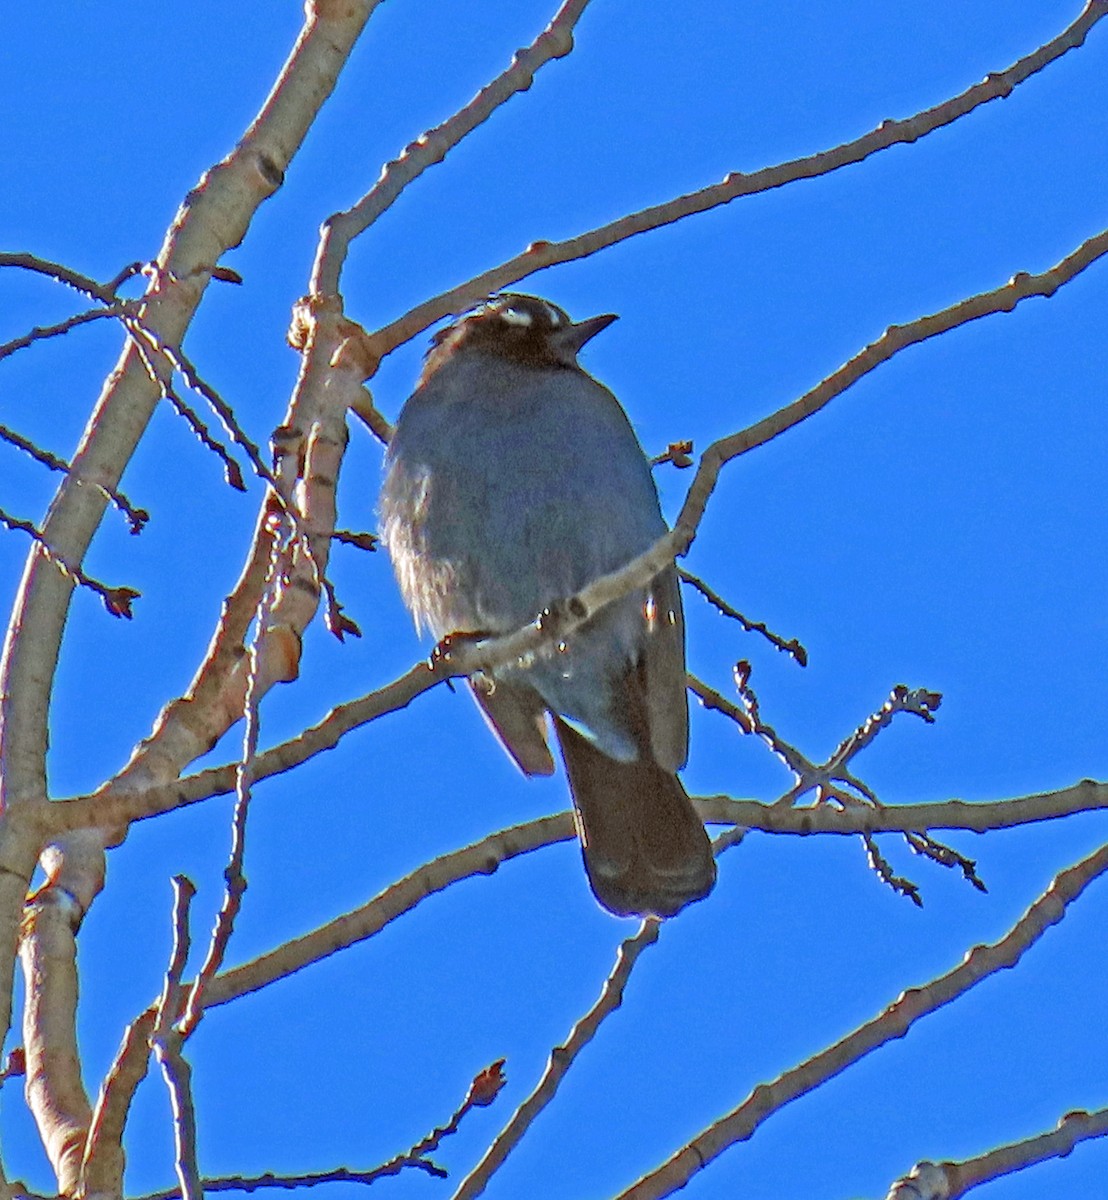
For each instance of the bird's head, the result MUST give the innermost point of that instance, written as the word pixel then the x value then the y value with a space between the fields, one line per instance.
pixel 524 329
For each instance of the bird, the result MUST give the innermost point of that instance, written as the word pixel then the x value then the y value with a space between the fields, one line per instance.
pixel 512 479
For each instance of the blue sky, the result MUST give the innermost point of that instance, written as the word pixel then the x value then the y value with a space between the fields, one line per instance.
pixel 941 524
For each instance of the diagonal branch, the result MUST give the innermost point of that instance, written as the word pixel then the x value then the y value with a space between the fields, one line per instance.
pixel 43 332
pixel 540 254
pixel 481 858
pixel 978 964
pixel 85 284
pixel 952 1180
pixel 895 339
pixel 563 1057
pixel 482 1091
pixel 167 1042
pixel 555 41
pixel 136 517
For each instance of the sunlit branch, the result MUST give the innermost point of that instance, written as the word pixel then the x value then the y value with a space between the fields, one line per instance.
pixel 213 217
pixel 104 292
pixel 555 41
pixel 895 339
pixel 561 1059
pixel 117 600
pixel 482 1091
pixel 978 964
pixel 481 858
pixel 163 382
pixel 167 1041
pixel 541 254
pixel 102 1165
pixel 234 875
pixel 55 1091
pixel 136 517
pixel 952 1180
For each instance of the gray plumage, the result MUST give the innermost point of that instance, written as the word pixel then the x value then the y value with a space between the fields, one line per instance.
pixel 512 480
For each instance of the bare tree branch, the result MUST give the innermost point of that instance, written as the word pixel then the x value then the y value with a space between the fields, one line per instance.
pixel 555 41
pixel 792 648
pixel 895 339
pixel 102 1165
pixel 561 1059
pixel 55 1092
pixel 117 600
pixel 136 517
pixel 42 333
pixel 167 1041
pixel 215 217
pixel 104 292
pixel 542 254
pixel 234 875
pixel 1072 1129
pixel 951 1180
pixel 978 964
pixel 482 1091
pixel 482 858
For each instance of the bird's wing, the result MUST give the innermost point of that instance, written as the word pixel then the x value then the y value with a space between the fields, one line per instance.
pixel 517 717
pixel 663 665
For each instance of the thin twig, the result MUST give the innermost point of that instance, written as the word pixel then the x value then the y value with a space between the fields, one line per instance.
pixel 136 517
pixel 792 647
pixel 117 600
pixel 562 1057
pixel 140 339
pixel 234 876
pixel 482 1091
pixel 808 775
pixel 167 1040
pixel 104 292
pixel 41 333
pixel 895 339
pixel 170 1000
pixel 833 781
pixel 884 871
pixel 945 856
pixel 256 1183
pixel 179 362
pixel 717 702
pixel 361 540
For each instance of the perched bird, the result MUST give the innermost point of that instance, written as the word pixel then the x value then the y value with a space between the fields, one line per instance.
pixel 513 479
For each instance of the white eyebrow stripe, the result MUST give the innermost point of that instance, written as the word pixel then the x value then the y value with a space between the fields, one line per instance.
pixel 516 316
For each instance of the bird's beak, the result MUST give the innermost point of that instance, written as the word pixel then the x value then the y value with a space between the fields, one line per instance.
pixel 573 337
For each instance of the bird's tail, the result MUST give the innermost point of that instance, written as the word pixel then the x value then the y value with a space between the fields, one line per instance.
pixel 646 851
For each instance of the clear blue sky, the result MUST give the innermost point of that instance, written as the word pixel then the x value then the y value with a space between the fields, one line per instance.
pixel 942 525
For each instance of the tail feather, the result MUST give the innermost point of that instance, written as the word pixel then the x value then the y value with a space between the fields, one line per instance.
pixel 646 851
